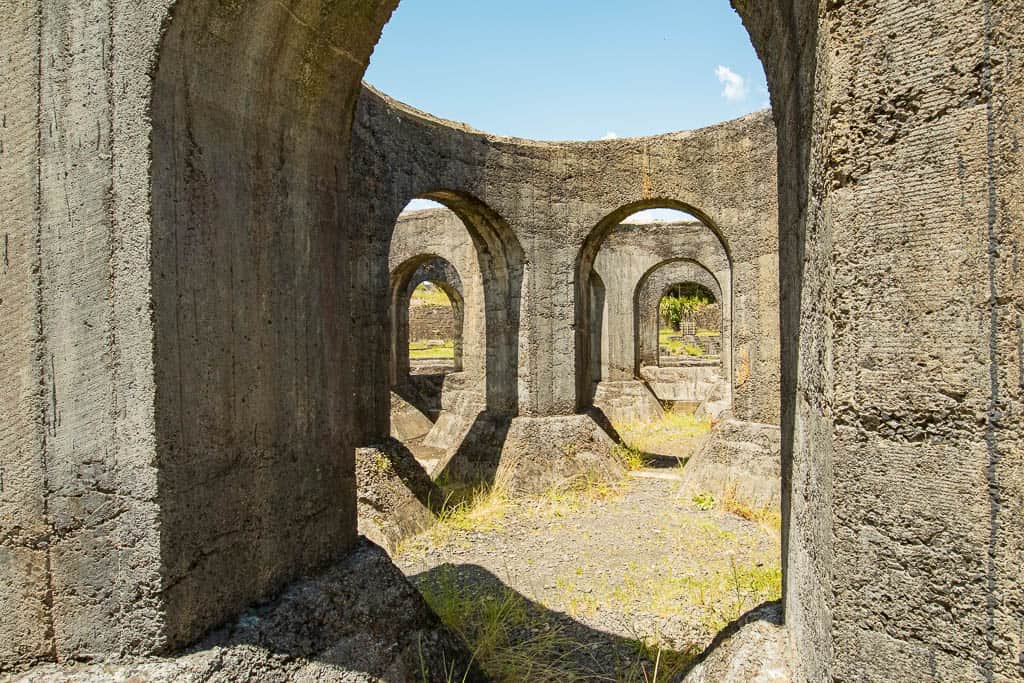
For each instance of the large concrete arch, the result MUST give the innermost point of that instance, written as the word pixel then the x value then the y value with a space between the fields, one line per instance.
pixel 198 231
pixel 586 262
pixel 247 106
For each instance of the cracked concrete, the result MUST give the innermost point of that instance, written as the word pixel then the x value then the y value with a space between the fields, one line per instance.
pixel 194 198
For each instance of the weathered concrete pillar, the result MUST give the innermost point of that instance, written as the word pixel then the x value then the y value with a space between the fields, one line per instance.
pixel 547 335
pixel 174 440
pixel 25 633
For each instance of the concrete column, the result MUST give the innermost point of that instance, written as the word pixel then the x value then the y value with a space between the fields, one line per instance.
pixel 25 633
pixel 547 384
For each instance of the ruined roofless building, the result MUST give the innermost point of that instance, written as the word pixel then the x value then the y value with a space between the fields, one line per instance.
pixel 188 366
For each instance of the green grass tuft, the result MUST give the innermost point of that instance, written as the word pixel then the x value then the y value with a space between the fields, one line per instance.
pixel 421 349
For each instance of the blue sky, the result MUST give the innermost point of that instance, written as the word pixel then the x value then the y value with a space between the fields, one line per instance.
pixel 571 69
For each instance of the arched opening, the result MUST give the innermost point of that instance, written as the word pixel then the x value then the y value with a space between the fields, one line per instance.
pixel 318 252
pixel 435 328
pixel 428 310
pixel 453 261
pixel 634 251
pixel 689 325
pixel 458 223
pixel 684 340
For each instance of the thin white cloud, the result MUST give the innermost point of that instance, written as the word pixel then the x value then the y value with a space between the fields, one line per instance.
pixel 735 89
pixel 611 135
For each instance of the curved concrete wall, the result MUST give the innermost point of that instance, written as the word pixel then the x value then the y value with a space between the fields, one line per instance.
pixel 726 171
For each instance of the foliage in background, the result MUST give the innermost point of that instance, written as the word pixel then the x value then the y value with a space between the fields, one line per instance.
pixel 429 294
pixel 682 302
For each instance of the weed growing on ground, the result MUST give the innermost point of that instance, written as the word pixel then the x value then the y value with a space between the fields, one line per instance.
pixel 716 597
pixel 631 457
pixel 485 509
pixel 506 636
pixel 479 510
pixel 511 640
pixel 641 436
pixel 768 518
pixel 704 501
pixel 382 463
pixel 569 498
pixel 668 664
pixel 728 593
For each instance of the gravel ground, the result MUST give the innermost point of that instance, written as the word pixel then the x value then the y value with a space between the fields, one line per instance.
pixel 608 568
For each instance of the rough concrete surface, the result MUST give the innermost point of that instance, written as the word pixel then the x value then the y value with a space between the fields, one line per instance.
pixel 753 649
pixel 198 199
pixel 541 453
pixel 395 496
pixel 740 461
pixel 358 621
pixel 627 401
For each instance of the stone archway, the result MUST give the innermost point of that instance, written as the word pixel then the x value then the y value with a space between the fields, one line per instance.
pixel 218 163
pixel 227 126
pixel 404 281
pixel 705 385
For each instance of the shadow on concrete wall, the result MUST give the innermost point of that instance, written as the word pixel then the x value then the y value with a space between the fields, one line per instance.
pixel 477 457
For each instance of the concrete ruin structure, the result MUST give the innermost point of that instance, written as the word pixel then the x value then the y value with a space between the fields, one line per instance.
pixel 639 263
pixel 195 284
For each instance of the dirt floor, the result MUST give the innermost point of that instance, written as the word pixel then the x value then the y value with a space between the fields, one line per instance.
pixel 593 584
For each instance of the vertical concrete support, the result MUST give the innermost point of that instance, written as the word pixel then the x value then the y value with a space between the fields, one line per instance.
pixel 105 564
pixel 26 632
pixel 919 225
pixel 548 385
pixel 253 350
pixel 175 439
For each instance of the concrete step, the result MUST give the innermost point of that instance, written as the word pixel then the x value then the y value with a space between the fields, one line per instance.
pixel 667 475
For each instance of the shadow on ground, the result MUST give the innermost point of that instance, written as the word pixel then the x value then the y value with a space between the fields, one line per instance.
pixel 514 638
